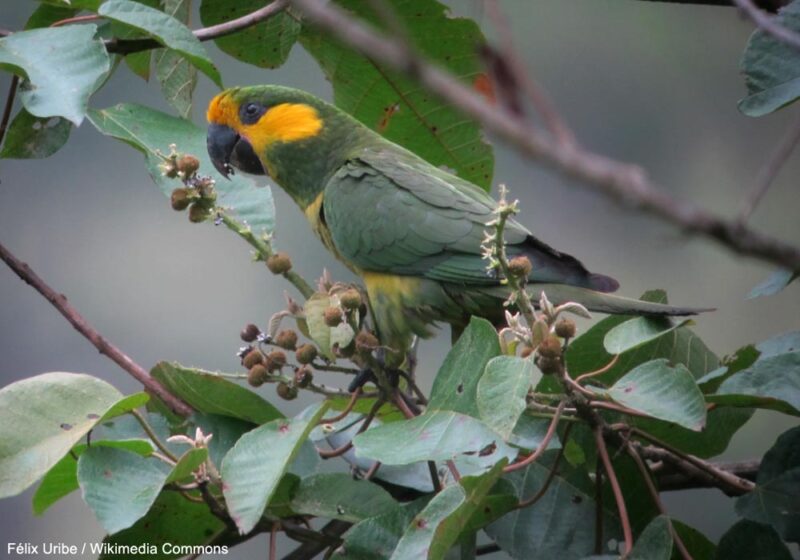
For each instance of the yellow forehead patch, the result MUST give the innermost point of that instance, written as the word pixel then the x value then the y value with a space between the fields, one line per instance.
pixel 287 122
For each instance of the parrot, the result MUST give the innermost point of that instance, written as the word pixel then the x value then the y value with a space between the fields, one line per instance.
pixel 410 230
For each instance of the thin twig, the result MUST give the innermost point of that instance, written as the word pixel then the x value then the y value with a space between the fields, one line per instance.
pixel 598 508
pixel 152 435
pixel 768 24
pixel 600 371
pixel 434 473
pixel 551 430
pixel 76 19
pixel 770 170
pixel 59 301
pixel 273 541
pixel 550 476
pixel 345 412
pixel 12 92
pixel 651 488
pixel 342 449
pixel 129 46
pixel 618 408
pixel 602 451
pixel 623 182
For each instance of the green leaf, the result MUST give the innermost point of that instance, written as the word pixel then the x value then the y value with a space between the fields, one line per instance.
pixel 663 392
pixel 743 358
pixel 559 525
pixel 226 430
pixel 152 131
pixel 252 470
pixel 125 405
pixel 187 464
pixel 655 542
pixel 747 540
pixel 434 436
pixel 776 498
pixel 396 106
pixel 339 496
pixel 118 486
pixel 213 394
pixel 30 137
pixel 456 385
pixel 375 538
pixel 62 479
pixel 175 73
pixel 63 66
pixel 771 67
pixel 41 418
pixel 774 284
pixel 637 331
pixel 502 391
pixel 772 382
pixel 530 431
pixel 46 15
pixel 696 542
pixel 172 520
pixel 165 29
pixel 266 44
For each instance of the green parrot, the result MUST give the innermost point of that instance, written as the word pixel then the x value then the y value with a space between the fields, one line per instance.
pixel 410 230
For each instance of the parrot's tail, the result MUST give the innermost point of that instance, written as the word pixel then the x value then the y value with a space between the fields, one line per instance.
pixel 603 302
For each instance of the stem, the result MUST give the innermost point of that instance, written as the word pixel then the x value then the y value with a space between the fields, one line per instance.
pixel 551 430
pixel 551 475
pixel 59 301
pixel 600 371
pixel 152 435
pixel 12 92
pixel 602 451
pixel 345 412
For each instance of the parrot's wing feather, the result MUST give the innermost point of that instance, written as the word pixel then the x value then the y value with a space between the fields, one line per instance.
pixel 389 211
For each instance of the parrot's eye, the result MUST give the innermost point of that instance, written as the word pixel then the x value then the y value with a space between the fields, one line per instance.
pixel 251 112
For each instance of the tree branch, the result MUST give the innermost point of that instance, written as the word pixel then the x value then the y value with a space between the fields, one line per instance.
pixel 625 183
pixel 59 301
pixel 671 478
pixel 768 24
pixel 128 46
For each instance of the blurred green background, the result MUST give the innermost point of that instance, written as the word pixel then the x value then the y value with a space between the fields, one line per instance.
pixel 656 84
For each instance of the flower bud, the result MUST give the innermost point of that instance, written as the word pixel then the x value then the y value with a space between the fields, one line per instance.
pixel 286 339
pixel 520 266
pixel 306 353
pixel 350 299
pixel 565 328
pixel 279 263
pixel 333 316
pixel 180 199
pixel 303 377
pixel 366 342
pixel 286 391
pixel 188 165
pixel 198 213
pixel 254 357
pixel 548 365
pixel 550 347
pixel 275 360
pixel 257 375
pixel 250 333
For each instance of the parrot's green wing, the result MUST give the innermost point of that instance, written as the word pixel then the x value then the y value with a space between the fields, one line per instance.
pixel 389 211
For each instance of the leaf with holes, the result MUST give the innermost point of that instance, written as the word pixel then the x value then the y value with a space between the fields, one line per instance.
pixel 252 470
pixel 151 132
pixel 396 106
pixel 266 44
pixel 456 385
pixel 663 392
pixel 42 418
pixel 165 29
pixel 62 67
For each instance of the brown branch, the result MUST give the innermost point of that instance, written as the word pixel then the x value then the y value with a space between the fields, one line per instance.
pixel 551 430
pixel 342 449
pixel 768 24
pixel 770 170
pixel 129 46
pixel 345 412
pixel 602 451
pixel 550 476
pixel 623 182
pixel 59 301
pixel 331 534
pixel 683 476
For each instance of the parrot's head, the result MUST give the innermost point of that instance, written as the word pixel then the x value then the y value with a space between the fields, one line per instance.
pixel 283 132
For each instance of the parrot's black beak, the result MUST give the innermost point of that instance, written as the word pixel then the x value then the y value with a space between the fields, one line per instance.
pixel 228 150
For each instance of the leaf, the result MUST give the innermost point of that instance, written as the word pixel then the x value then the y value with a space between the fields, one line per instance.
pixel 339 496
pixel 663 392
pixel 771 67
pixel 152 131
pixel 165 29
pixel 252 470
pixel 776 498
pixel 118 486
pixel 696 542
pixel 530 431
pixel 434 436
pixel 777 280
pixel 62 479
pixel 63 66
pixel 559 525
pixel 226 430
pixel 655 542
pixel 396 106
pixel 172 520
pixel 772 383
pixel 502 391
pixel 747 540
pixel 266 44
pixel 41 418
pixel 637 331
pixel 125 405
pixel 29 137
pixel 743 358
pixel 456 385
pixel 213 394
pixel 46 15
pixel 375 538
pixel 314 310
pixel 187 464
pixel 175 73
